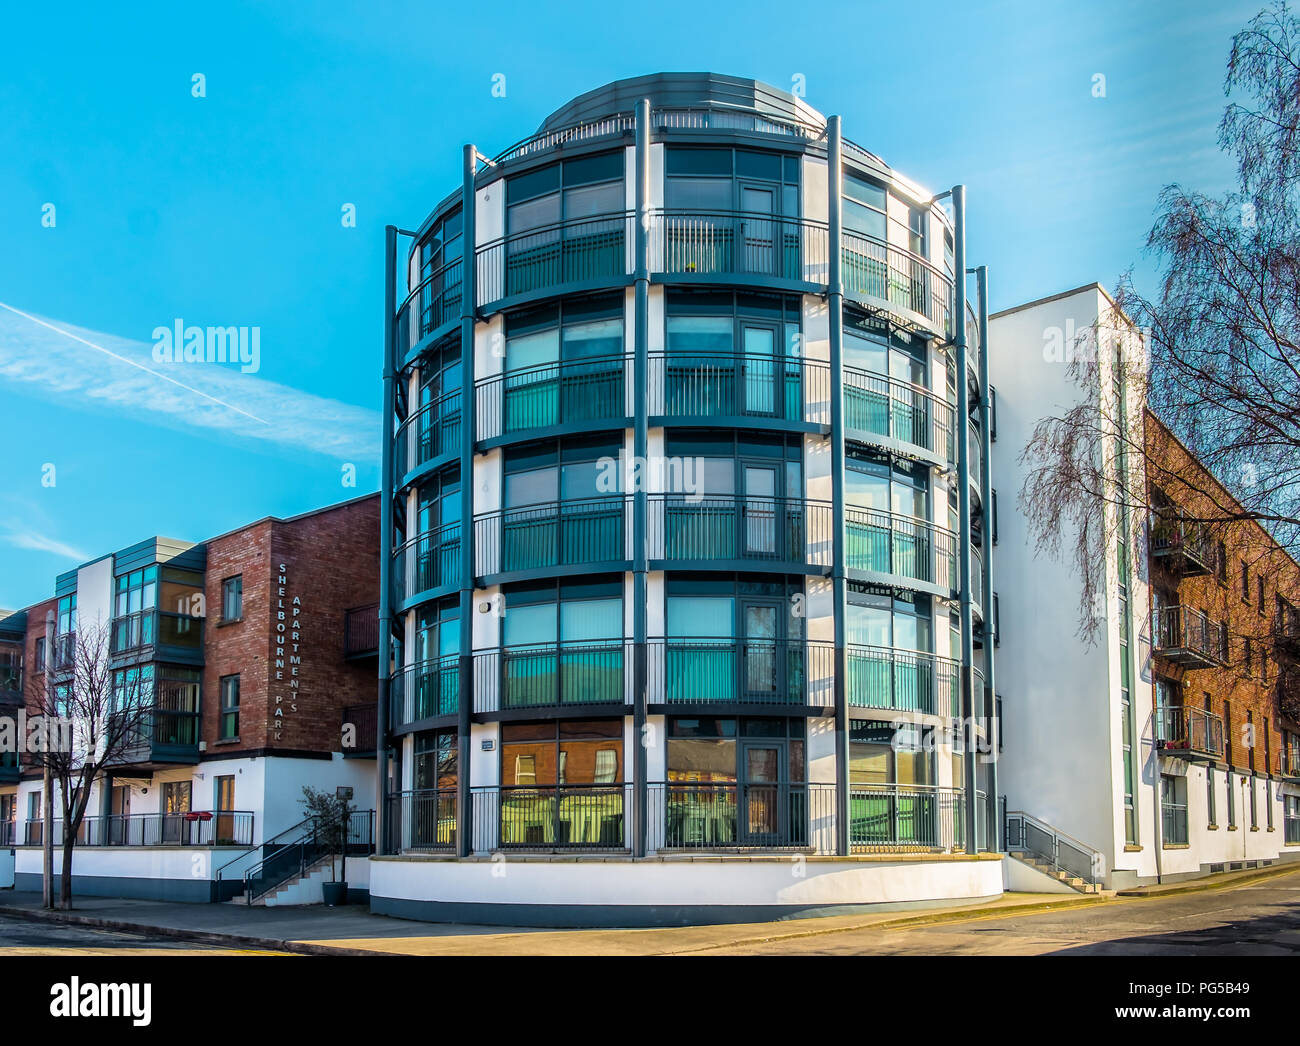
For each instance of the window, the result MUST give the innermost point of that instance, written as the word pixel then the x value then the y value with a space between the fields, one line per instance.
pixel 865 207
pixel 1268 801
pixel 1173 809
pixel 1259 594
pixel 1209 797
pixel 1232 800
pixel 885 754
pixel 1245 581
pixel 1291 819
pixel 725 752
pixel 436 760
pixel 1249 656
pixel 1250 739
pixel 731 180
pixel 229 727
pixel 1254 817
pixel 1221 563
pixel 567 752
pixel 232 598
pixel 572 189
pixel 40 653
pixel 176 797
pixel 225 792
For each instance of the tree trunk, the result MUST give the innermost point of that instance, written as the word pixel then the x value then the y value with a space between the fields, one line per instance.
pixel 65 876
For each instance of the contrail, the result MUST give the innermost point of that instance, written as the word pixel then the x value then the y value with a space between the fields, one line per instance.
pixel 133 363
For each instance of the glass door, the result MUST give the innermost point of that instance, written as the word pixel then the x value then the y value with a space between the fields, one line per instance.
pixel 761 676
pixel 758 369
pixel 175 805
pixel 760 814
pixel 757 230
pixel 761 488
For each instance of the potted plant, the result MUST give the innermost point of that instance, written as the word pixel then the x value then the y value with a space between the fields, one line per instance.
pixel 330 816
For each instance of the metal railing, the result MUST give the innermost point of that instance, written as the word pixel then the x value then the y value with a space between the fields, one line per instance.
pixel 553 675
pixel 8 833
pixel 710 385
pixel 422 819
pixel 427 561
pixel 160 725
pixel 363 721
pixel 154 627
pixel 424 690
pixel 738 243
pixel 905 546
pixel 554 533
pixel 899 818
pixel 361 630
pixel 1184 728
pixel 11 674
pixel 430 432
pixel 1026 834
pixel 875 270
pixel 903 412
pixel 723 118
pixel 581 817
pixel 574 251
pixel 707 815
pixel 64 655
pixel 1186 636
pixel 903 680
pixel 1172 534
pixel 198 828
pixel 702 669
pixel 694 527
pixel 295 858
pixel 561 393
pixel 615 125
pixel 435 301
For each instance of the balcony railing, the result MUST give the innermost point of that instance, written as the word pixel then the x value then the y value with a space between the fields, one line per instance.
pixel 156 628
pixel 589 817
pixel 876 271
pixel 603 127
pixel 201 828
pixel 889 818
pixel 706 815
pixel 1182 543
pixel 713 118
pixel 422 819
pixel 425 690
pixel 431 432
pixel 553 675
pixel 901 412
pixel 569 392
pixel 882 542
pixel 427 562
pixel 8 833
pixel 903 680
pixel 64 656
pixel 701 669
pixel 170 728
pixel 1188 731
pixel 1026 834
pixel 11 676
pixel 692 528
pixel 1187 637
pixel 555 533
pixel 363 721
pixel 580 250
pixel 712 385
pixel 361 631
pixel 435 301
pixel 738 243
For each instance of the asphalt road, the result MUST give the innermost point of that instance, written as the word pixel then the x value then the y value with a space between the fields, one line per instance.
pixel 1261 918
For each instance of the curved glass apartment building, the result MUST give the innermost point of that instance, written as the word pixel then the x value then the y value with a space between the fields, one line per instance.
pixel 684 534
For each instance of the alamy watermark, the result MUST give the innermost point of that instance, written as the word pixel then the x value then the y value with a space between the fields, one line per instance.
pixel 190 344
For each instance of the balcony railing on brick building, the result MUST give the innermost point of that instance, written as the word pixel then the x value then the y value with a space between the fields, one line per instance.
pixel 360 730
pixel 1187 637
pixel 1189 732
pixel 361 631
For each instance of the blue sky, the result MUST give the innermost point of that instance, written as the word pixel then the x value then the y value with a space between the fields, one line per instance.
pixel 225 210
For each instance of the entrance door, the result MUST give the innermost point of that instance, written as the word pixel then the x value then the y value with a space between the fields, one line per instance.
pixel 761 675
pixel 757 232
pixel 758 370
pixel 761 485
pixel 119 820
pixel 175 805
pixel 225 831
pixel 760 814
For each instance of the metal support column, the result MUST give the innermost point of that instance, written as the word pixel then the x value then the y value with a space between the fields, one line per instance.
pixel 383 842
pixel 835 307
pixel 992 725
pixel 958 321
pixel 465 703
pixel 641 448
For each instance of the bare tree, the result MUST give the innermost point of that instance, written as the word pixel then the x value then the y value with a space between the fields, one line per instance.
pixel 94 718
pixel 1221 364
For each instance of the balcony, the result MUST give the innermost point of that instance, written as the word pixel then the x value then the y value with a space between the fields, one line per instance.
pixel 11 678
pixel 427 563
pixel 903 681
pixel 157 633
pixel 717 529
pixel 707 815
pixel 580 532
pixel 900 416
pixel 727 671
pixel 593 251
pixel 166 734
pixel 892 818
pixel 432 432
pixel 63 657
pixel 588 393
pixel 10 770
pixel 422 819
pixel 425 690
pixel 1189 733
pixel 1286 632
pixel 892 278
pixel 587 818
pixel 564 675
pixel 763 247
pixel 435 303
pixel 887 545
pixel 363 720
pixel 361 632
pixel 1186 637
pixel 1181 545
pixel 724 387
pixel 199 828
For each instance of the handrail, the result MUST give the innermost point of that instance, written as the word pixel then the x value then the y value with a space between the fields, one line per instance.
pixel 686 526
pixel 258 846
pixel 937 543
pixel 307 836
pixel 1063 852
pixel 615 124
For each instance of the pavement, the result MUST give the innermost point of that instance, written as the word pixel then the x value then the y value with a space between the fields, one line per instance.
pixel 1256 911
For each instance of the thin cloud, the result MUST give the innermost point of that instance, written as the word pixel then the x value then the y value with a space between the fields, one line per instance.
pixel 41 543
pixel 63 363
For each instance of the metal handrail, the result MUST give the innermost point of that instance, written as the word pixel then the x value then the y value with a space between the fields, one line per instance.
pixel 937 543
pixel 444 538
pixel 615 124
pixel 711 384
pixel 941 676
pixel 941 413
pixel 685 527
pixel 305 858
pixel 609 259
pixel 566 532
pixel 789 672
pixel 1062 852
